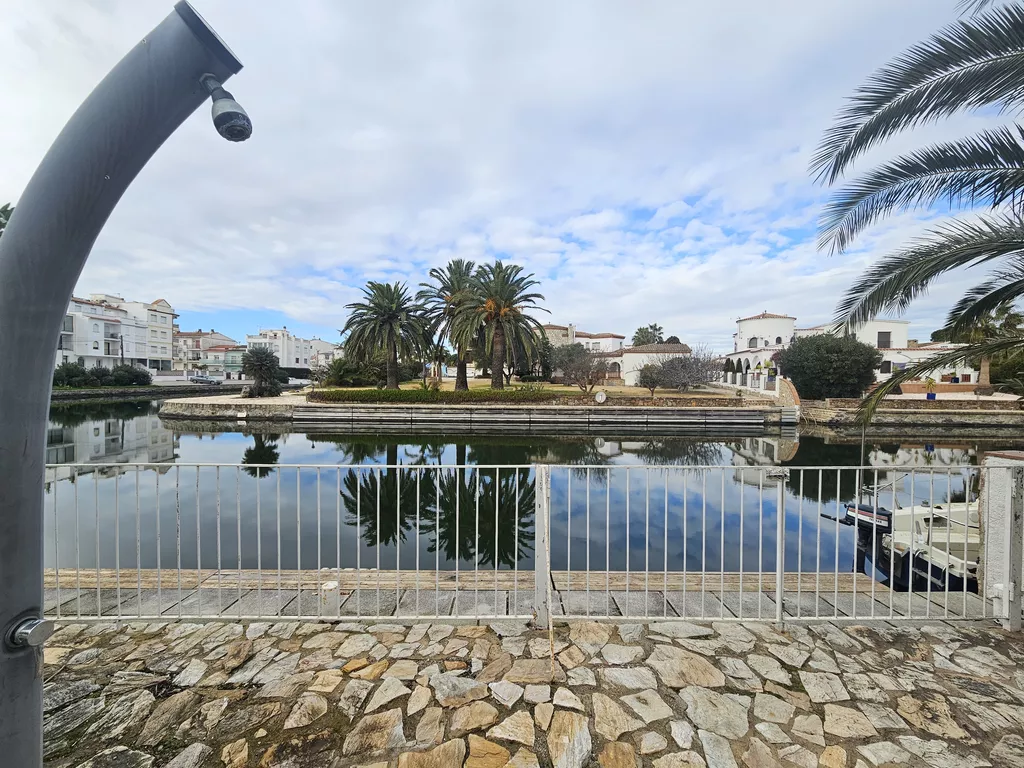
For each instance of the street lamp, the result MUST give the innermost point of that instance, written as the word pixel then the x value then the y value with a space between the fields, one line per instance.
pixel 141 101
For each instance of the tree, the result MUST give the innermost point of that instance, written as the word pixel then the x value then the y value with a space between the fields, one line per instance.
pixel 580 367
pixel 545 355
pixel 262 453
pixel 974 64
pixel 389 320
pixel 729 366
pixel 5 215
pixel 649 377
pixel 261 365
pixel 442 298
pixel 495 313
pixel 651 334
pixel 672 340
pixel 830 366
pixel 699 367
pixel 1004 321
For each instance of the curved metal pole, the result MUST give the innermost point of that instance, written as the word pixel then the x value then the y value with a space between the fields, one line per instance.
pixel 43 249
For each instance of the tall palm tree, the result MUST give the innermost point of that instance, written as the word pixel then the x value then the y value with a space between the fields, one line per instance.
pixel 449 289
pixel 390 320
pixel 1004 321
pixel 977 62
pixel 496 307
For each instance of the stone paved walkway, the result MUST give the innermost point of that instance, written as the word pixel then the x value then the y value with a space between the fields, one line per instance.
pixel 667 695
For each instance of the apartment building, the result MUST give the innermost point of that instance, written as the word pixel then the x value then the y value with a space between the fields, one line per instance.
pixel 158 317
pixel 200 350
pixel 96 333
pixel 291 351
pixel 324 352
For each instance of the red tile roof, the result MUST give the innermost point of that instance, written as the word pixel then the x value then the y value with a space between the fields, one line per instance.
pixel 767 316
pixel 660 349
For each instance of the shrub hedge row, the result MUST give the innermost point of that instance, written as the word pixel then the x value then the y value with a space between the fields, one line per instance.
pixel 425 396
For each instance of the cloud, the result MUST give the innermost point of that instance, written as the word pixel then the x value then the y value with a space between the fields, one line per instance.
pixel 648 166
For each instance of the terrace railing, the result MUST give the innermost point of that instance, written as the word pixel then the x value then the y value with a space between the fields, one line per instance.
pixel 602 541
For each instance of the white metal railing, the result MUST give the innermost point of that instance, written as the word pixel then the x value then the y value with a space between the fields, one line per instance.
pixel 422 541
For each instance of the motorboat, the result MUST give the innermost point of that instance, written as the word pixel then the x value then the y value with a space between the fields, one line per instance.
pixel 940 544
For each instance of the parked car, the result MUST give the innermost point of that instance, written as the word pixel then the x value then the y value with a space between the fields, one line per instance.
pixel 204 380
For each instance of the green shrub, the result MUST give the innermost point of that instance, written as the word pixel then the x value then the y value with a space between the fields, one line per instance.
pixel 427 396
pixel 535 377
pixel 128 375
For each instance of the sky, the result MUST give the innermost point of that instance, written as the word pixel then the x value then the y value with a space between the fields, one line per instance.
pixel 647 161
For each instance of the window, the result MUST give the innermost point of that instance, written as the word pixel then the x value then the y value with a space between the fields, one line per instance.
pixel 296 361
pixel 163 350
pixel 752 342
pixel 886 366
pixel 965 378
pixel 163 334
pixel 69 323
pixel 163 320
pixel 778 339
pixel 152 349
pixel 884 339
pixel 65 358
pixel 152 317
pixel 152 334
pixel 95 345
pixel 95 327
pixel 767 343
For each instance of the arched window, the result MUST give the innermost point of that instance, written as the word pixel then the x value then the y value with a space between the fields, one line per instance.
pixel 746 366
pixel 95 345
pixel 614 369
pixel 95 327
pixel 752 342
pixel 778 339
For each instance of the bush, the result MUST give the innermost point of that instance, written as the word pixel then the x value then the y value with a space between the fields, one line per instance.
pixel 830 366
pixel 75 376
pixel 261 365
pixel 428 396
pixel 535 378
pixel 128 375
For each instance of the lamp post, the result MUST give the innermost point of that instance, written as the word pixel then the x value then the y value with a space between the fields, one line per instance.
pixel 104 145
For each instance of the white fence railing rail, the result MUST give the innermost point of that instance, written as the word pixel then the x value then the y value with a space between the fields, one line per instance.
pixel 426 541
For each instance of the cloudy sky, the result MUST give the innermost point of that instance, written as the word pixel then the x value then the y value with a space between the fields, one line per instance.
pixel 646 160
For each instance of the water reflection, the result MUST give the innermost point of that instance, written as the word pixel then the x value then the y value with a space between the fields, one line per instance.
pixel 399 507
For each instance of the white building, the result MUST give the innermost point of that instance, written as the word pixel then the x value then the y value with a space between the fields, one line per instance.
pixel 291 351
pixel 626 364
pixel 759 337
pixel 191 350
pixel 323 352
pixel 94 333
pixel 158 317
pixel 114 441
pixel 561 335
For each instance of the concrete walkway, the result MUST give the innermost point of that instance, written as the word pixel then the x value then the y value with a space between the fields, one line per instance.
pixel 667 695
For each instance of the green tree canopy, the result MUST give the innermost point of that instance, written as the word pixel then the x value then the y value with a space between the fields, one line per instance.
pixel 5 215
pixel 261 365
pixel 830 366
pixel 388 320
pixel 651 334
pixel 441 298
pixel 580 367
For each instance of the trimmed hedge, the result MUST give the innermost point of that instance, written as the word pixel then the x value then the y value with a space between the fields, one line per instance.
pixel 427 396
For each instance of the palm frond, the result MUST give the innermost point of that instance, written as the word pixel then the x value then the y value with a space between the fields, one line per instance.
pixel 988 167
pixel 974 6
pixel 974 62
pixel 985 348
pixel 978 304
pixel 895 281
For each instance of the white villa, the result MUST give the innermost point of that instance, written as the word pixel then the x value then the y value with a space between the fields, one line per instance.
pixel 624 363
pixel 759 337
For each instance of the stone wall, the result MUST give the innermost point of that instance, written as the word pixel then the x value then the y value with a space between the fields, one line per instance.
pixel 924 405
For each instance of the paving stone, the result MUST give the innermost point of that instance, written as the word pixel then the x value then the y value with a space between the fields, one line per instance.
pixel 518 728
pixel 542 714
pixel 418 700
pixel 58 694
pixel 621 654
pixel 169 712
pixel 402 670
pixel 286 688
pixel 447 755
pixel 717 750
pixel 486 754
pixel 772 708
pixel 581 603
pixel 770 669
pixel 191 756
pixel 452 690
pixel 235 754
pixel 633 678
pixel 759 755
pixel 568 739
pixel 326 681
pixel 375 732
pixel 495 669
pixel 353 696
pixel 847 723
pixel 122 715
pixel 391 689
pixel 809 728
pixel 535 694
pixel 648 705
pixel 119 757
pixel 823 687
pixel 589 636
pixel 930 712
pixel 248 717
pixel 367 602
pixel 887 753
pixel 682 733
pixel 679 668
pixel 714 712
pixel 581 676
pixel 790 655
pixel 772 733
pixel 355 646
pixel 939 754
pixel 881 717
pixel 430 729
pixel 1009 752
pixel 524 758
pixel 617 754
pixel 799 756
pixel 535 671
pixel 650 742
pixel 473 717
pixel 308 707
pixel 683 760
pixel 680 629
pixel 610 719
pixel 631 633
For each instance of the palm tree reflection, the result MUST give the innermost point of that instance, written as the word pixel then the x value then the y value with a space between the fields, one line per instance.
pixel 264 451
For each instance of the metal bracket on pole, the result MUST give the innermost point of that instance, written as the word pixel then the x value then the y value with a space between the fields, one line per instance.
pixel 781 475
pixel 1015 555
pixel 542 550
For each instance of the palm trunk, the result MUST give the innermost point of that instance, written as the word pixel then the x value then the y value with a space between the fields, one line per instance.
pixel 461 379
pixel 498 357
pixel 392 381
pixel 984 380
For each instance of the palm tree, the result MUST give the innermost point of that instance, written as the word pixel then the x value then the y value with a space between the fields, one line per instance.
pixel 496 307
pixel 1004 321
pixel 5 215
pixel 388 319
pixel 442 298
pixel 974 63
pixel 261 365
pixel 260 455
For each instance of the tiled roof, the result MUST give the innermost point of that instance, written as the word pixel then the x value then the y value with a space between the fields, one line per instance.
pixel 662 349
pixel 767 316
pixel 552 327
pixel 599 335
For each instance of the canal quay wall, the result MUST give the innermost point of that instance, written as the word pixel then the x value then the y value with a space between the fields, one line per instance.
pixel 120 394
pixel 901 414
pixel 711 415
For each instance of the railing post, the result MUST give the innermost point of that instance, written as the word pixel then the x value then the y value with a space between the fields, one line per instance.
pixel 542 551
pixel 779 474
pixel 1015 539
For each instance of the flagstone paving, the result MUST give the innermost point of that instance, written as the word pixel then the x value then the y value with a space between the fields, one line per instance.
pixel 666 695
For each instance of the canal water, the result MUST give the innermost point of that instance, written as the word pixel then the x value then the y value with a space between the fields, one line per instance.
pixel 123 490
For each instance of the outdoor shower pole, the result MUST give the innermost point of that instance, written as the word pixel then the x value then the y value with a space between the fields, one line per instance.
pixel 104 145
